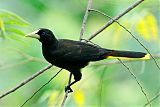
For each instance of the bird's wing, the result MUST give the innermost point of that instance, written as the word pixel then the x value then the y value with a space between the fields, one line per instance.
pixel 79 51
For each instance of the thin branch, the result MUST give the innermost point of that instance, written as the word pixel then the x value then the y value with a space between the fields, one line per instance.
pixel 129 33
pixel 116 18
pixel 116 62
pixel 155 97
pixel 88 41
pixel 27 59
pixel 143 91
pixel 25 81
pixel 41 88
pixel 85 19
pixel 7 66
pixel 31 58
pixel 153 57
pixel 66 93
pixel 125 61
pixel 107 63
pixel 80 38
pixel 113 20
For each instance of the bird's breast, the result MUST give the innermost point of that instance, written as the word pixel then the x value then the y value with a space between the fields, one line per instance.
pixel 59 61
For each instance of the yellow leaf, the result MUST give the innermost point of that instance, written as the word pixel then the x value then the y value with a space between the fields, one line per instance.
pixel 147 27
pixel 152 24
pixel 2 26
pixel 54 99
pixel 1 23
pixel 142 29
pixel 79 98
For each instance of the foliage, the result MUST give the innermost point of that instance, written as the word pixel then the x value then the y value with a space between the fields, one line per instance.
pixel 147 27
pixel 10 23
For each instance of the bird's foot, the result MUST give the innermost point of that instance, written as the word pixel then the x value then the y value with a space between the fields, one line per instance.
pixel 68 88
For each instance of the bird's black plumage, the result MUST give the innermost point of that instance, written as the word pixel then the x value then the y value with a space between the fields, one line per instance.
pixel 74 55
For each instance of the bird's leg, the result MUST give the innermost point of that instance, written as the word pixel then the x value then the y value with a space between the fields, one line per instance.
pixel 77 76
pixel 68 87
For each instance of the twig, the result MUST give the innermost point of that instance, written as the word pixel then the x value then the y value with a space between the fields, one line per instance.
pixel 143 91
pixel 25 81
pixel 80 38
pixel 31 58
pixel 7 66
pixel 88 41
pixel 153 57
pixel 125 61
pixel 129 33
pixel 66 93
pixel 34 59
pixel 41 88
pixel 85 19
pixel 116 18
pixel 152 99
pixel 27 59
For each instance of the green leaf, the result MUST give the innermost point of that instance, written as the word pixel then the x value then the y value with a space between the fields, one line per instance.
pixel 11 23
pixel 15 22
pixel 16 31
pixel 2 29
pixel 7 14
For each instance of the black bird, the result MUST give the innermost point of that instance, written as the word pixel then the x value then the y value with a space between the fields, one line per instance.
pixel 74 55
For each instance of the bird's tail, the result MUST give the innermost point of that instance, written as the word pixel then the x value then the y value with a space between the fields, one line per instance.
pixel 127 55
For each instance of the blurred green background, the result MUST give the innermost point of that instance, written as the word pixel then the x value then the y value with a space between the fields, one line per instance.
pixel 102 85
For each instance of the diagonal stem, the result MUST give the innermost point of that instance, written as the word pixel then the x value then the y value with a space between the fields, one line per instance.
pixel 41 88
pixel 25 81
pixel 85 19
pixel 116 18
pixel 66 93
pixel 143 91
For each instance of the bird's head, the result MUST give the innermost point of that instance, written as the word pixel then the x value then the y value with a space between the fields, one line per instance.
pixel 43 35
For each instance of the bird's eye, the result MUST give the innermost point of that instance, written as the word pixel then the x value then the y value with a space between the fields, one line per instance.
pixel 44 33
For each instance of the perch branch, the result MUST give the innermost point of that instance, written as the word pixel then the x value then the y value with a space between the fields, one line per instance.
pixel 116 18
pixel 80 38
pixel 25 81
pixel 66 93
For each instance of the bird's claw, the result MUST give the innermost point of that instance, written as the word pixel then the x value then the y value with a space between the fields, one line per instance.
pixel 68 89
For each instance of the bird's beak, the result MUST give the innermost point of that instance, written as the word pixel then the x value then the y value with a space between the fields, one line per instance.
pixel 33 35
